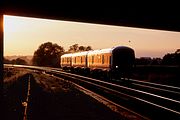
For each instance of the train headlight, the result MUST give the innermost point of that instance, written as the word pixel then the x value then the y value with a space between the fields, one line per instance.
pixel 116 66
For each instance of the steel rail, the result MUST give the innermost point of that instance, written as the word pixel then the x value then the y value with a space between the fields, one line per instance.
pixel 25 103
pixel 173 88
pixel 167 111
pixel 115 91
pixel 115 85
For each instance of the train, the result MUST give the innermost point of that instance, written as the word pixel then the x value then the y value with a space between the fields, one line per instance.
pixel 115 62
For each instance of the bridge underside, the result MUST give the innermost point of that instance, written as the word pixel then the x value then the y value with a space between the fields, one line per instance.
pixel 153 16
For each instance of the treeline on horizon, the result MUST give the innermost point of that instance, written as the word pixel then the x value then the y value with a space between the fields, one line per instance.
pixel 48 54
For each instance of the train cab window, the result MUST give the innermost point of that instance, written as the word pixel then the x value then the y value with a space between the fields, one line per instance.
pixel 102 59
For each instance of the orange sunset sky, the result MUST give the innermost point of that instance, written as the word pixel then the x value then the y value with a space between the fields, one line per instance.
pixel 23 35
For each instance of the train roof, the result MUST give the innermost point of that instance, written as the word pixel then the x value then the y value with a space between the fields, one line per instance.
pixel 107 50
pixel 67 55
pixel 92 52
pixel 75 54
pixel 122 47
pixel 80 53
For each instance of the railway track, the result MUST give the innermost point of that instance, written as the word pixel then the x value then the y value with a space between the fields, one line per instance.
pixel 153 101
pixel 167 91
pixel 25 103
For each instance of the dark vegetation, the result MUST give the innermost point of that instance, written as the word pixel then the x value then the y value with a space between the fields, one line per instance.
pixel 48 54
pixel 163 71
pixel 169 59
pixel 18 61
pixel 168 75
pixel 51 99
pixel 77 48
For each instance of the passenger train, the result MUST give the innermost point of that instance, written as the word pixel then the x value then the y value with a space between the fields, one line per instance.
pixel 115 62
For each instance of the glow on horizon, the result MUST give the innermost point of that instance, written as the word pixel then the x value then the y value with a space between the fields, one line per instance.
pixel 23 35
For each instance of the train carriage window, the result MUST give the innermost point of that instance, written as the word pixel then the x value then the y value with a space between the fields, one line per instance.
pixel 102 59
pixel 92 59
pixel 74 59
pixel 99 58
pixel 67 60
pixel 81 59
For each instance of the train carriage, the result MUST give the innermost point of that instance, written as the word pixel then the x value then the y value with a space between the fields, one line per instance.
pixel 66 61
pixel 114 62
pixel 79 59
pixel 79 62
pixel 99 59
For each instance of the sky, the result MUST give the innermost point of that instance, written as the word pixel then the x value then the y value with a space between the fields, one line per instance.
pixel 23 35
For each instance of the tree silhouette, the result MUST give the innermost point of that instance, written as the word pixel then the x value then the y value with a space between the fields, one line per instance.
pixel 177 51
pixel 48 54
pixel 82 48
pixel 19 61
pixel 77 48
pixel 172 58
pixel 6 61
pixel 88 48
pixel 74 48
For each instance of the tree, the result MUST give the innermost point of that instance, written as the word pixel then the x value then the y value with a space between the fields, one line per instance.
pixel 177 51
pixel 82 48
pixel 74 48
pixel 20 61
pixel 172 58
pixel 143 61
pixel 6 61
pixel 48 54
pixel 77 48
pixel 88 48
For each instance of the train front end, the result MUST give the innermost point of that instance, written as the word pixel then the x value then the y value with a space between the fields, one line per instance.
pixel 122 61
